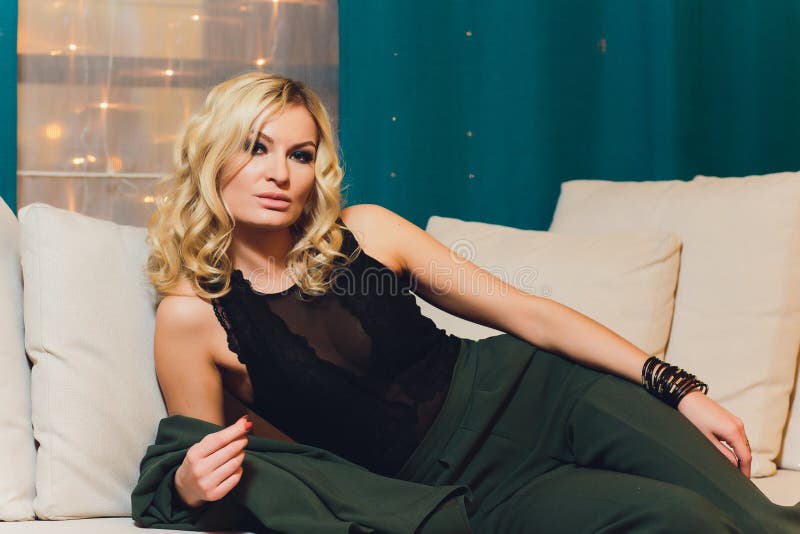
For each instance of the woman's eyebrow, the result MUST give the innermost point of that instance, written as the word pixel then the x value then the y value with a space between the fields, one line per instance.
pixel 298 145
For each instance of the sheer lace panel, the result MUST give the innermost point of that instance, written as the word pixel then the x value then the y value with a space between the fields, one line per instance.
pixel 358 371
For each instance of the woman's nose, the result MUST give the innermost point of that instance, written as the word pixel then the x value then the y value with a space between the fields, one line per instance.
pixel 277 168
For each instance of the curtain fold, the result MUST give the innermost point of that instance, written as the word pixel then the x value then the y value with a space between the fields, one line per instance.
pixel 480 110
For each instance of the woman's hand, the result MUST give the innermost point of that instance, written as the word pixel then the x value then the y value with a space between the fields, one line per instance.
pixel 718 424
pixel 213 466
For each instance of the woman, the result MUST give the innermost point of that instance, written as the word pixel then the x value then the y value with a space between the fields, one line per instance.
pixel 301 310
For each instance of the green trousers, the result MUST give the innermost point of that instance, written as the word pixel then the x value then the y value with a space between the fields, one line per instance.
pixel 547 445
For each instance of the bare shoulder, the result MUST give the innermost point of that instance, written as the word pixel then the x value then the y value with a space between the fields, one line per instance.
pixel 378 230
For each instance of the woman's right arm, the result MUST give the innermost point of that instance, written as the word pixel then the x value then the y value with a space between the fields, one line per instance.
pixel 191 385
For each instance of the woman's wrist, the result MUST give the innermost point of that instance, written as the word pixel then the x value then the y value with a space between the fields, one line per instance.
pixel 669 383
pixel 180 493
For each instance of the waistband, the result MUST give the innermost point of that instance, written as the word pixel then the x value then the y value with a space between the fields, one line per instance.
pixel 447 420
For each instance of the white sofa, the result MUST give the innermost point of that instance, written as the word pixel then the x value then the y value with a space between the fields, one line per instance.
pixel 80 401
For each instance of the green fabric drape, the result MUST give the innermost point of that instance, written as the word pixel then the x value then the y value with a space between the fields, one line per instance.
pixel 290 487
pixel 479 110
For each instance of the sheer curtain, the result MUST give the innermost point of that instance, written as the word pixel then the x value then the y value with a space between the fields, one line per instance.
pixel 104 85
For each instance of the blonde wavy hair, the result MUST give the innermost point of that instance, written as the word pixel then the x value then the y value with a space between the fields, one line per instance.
pixel 190 231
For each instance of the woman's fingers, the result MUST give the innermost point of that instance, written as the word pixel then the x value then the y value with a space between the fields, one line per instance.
pixel 215 441
pixel 216 483
pixel 225 461
pixel 226 485
pixel 737 439
pixel 724 450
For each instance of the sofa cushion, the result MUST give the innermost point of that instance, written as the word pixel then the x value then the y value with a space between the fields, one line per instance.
pixel 89 317
pixel 737 308
pixel 97 525
pixel 783 488
pixel 17 449
pixel 624 281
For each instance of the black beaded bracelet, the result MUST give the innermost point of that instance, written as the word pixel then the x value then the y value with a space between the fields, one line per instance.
pixel 669 383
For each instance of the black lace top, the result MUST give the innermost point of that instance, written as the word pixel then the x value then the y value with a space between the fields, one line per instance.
pixel 358 371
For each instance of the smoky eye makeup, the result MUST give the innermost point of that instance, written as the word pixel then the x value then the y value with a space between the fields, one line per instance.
pixel 303 156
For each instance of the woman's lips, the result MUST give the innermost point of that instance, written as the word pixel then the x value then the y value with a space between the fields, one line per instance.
pixel 274 203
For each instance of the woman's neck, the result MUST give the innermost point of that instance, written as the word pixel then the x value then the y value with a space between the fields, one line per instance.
pixel 259 249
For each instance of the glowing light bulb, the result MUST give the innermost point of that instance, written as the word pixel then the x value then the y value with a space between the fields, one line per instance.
pixel 195 17
pixel 56 52
pixel 73 46
pixel 103 105
pixel 169 72
pixel 148 199
pixel 90 158
pixel 78 161
pixel 53 131
pixel 261 62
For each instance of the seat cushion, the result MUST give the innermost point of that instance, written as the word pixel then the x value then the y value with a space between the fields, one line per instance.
pixel 106 525
pixel 737 308
pixel 624 281
pixel 782 488
pixel 17 449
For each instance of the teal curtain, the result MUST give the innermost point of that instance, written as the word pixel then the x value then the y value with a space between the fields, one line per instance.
pixel 8 104
pixel 479 110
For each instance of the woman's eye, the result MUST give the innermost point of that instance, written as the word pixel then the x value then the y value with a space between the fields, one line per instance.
pixel 259 148
pixel 304 156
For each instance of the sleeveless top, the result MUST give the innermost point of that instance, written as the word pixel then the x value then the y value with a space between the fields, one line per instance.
pixel 358 371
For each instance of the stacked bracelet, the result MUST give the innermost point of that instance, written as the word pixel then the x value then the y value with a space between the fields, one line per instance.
pixel 669 383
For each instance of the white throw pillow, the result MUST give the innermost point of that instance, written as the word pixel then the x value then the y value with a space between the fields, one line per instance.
pixel 737 307
pixel 17 448
pixel 89 318
pixel 624 281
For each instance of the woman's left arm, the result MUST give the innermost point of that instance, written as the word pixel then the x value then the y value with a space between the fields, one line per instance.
pixel 460 287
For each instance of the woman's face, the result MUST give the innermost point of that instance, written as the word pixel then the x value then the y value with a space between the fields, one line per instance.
pixel 282 163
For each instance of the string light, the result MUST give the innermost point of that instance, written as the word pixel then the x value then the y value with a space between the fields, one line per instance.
pixel 53 131
pixel 261 62
pixel 90 158
pixel 195 17
pixel 78 161
pixel 103 105
pixel 169 72
pixel 73 46
pixel 56 52
pixel 148 199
